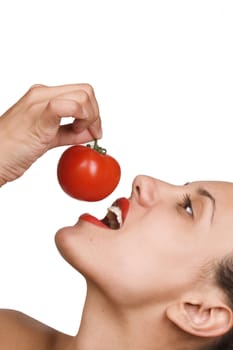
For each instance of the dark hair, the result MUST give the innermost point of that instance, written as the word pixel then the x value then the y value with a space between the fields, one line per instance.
pixel 224 279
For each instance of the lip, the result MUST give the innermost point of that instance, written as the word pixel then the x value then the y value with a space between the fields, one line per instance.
pixel 92 220
pixel 122 203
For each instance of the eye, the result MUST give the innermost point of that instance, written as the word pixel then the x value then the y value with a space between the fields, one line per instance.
pixel 187 204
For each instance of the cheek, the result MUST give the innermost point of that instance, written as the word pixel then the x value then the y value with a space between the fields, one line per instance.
pixel 147 261
pixel 157 263
pixel 94 253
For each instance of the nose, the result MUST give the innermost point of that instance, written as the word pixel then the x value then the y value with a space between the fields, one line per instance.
pixel 146 190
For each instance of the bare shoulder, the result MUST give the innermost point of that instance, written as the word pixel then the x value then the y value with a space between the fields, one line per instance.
pixel 21 332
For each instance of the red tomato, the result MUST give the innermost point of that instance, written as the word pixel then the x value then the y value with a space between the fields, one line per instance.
pixel 87 174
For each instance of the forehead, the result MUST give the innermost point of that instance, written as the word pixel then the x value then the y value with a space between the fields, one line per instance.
pixel 219 189
pixel 221 229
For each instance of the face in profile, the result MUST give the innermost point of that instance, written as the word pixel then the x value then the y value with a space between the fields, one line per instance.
pixel 167 235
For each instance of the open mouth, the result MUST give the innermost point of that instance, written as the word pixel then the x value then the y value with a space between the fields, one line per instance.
pixel 114 218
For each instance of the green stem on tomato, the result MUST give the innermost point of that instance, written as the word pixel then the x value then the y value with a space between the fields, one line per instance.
pixel 97 148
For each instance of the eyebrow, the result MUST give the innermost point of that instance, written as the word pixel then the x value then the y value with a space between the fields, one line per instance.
pixel 203 192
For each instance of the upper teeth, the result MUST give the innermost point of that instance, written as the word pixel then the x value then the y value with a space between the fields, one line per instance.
pixel 116 218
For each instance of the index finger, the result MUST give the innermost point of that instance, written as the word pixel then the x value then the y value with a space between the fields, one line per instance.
pixel 42 93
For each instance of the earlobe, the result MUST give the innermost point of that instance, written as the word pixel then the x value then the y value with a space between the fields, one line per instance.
pixel 201 320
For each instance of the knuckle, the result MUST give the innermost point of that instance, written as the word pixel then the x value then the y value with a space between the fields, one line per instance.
pixel 83 97
pixel 37 86
pixel 89 89
pixel 32 93
pixel 53 105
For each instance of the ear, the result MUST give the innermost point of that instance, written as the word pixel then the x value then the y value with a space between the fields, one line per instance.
pixel 200 319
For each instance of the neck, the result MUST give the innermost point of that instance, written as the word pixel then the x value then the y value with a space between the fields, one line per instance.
pixel 105 326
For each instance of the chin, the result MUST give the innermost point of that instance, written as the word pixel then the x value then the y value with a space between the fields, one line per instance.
pixel 77 245
pixel 90 235
pixel 91 242
pixel 66 241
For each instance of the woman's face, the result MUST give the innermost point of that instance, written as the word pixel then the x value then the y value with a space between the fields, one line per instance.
pixel 168 234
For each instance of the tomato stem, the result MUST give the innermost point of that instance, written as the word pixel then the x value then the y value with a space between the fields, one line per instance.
pixel 97 148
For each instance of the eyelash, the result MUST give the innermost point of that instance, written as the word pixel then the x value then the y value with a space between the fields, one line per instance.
pixel 186 202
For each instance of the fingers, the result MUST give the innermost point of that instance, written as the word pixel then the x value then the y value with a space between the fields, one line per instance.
pixel 55 109
pixel 80 103
pixel 67 136
pixel 34 124
pixel 95 129
pixel 40 93
pixel 85 119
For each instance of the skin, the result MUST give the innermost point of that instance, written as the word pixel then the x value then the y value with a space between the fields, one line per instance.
pixel 153 262
pixel 149 284
pixel 33 125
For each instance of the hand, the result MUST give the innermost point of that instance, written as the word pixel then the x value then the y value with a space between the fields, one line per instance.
pixel 33 125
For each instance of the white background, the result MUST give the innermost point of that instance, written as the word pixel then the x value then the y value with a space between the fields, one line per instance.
pixel 163 75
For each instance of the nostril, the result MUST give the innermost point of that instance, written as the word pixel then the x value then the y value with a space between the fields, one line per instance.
pixel 138 189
